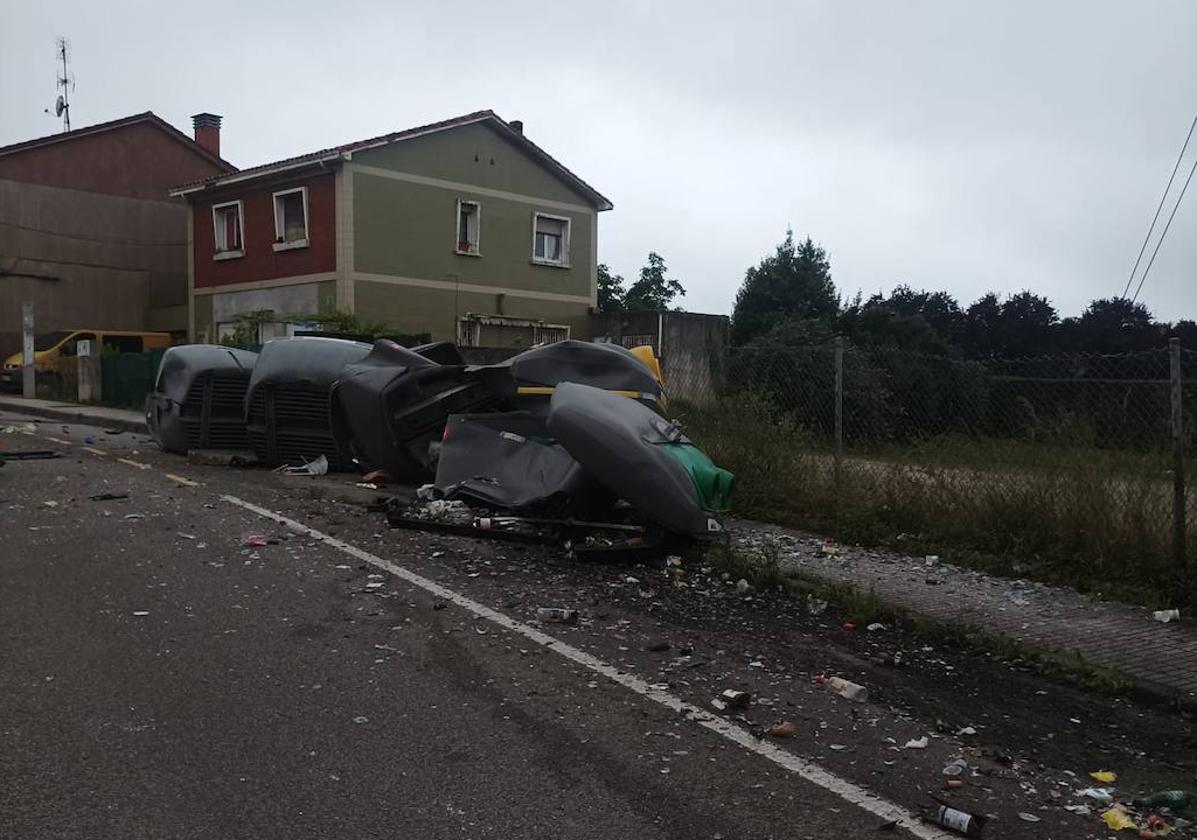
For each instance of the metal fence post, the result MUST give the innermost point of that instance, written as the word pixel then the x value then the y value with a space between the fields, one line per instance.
pixel 839 406
pixel 1178 468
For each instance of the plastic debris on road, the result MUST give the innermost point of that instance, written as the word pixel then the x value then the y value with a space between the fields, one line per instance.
pixel 1104 776
pixel 1118 819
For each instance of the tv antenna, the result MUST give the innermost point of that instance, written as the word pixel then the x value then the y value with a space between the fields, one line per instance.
pixel 66 81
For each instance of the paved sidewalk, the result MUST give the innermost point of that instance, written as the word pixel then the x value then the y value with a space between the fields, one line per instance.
pixel 1160 659
pixel 66 412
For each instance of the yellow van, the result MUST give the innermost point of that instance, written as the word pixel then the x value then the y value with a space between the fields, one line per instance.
pixel 49 347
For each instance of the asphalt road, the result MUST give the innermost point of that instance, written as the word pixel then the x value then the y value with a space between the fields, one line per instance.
pixel 161 677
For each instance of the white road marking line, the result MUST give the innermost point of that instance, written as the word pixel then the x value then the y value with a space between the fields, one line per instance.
pixel 137 464
pixel 94 451
pixel 808 770
pixel 181 480
pixel 59 440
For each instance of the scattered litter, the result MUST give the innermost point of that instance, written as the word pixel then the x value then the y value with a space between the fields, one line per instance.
pixel 782 730
pixel 134 516
pixel 955 767
pixel 49 504
pixel 931 559
pixel 186 536
pixel 838 747
pixel 1102 795
pixel 953 784
pixel 90 440
pixel 967 730
pixel 427 492
pixel 917 743
pixel 108 497
pixel 1083 810
pixel 140 613
pixel 844 688
pixel 1164 616
pixel 742 586
pixel 361 719
pixel 962 822
pixel 732 699
pixel 253 540
pixel 815 606
pixel 849 626
pixel 1117 818
pixel 377 477
pixel 317 466
pixel 1174 799
pixel 875 626
pixel 178 479
pixel 557 615
pixel 828 549
pixel 1026 817
pixel 1104 776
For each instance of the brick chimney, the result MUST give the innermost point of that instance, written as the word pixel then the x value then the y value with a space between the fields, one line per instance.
pixel 207 131
pixel 517 126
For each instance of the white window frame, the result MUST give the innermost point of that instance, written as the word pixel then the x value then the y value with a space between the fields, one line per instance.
pixel 568 222
pixel 279 230
pixel 477 251
pixel 229 253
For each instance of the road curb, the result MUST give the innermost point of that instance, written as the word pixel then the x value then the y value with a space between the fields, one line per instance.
pixel 71 415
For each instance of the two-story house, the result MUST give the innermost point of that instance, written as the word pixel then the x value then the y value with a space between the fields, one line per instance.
pixel 88 231
pixel 463 229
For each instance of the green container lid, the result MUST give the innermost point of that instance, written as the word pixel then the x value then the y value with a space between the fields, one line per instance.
pixel 713 484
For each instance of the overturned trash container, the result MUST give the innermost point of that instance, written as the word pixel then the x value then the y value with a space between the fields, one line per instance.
pixel 508 460
pixel 389 409
pixel 287 404
pixel 640 457
pixel 532 376
pixel 198 401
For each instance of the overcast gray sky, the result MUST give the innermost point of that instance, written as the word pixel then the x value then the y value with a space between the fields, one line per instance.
pixel 948 145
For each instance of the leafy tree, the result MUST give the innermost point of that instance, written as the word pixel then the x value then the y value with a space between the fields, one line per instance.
pixel 341 321
pixel 926 322
pixel 611 291
pixel 1186 331
pixel 654 290
pixel 1026 326
pixel 795 281
pixel 1112 325
pixel 980 327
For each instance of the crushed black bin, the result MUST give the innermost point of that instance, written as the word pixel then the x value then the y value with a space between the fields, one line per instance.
pixel 641 458
pixel 508 460
pixel 198 401
pixel 390 408
pixel 287 404
pixel 531 377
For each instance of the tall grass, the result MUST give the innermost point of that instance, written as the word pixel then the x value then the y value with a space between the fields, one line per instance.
pixel 1082 521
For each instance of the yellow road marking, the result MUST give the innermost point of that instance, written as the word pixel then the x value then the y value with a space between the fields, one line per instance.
pixel 185 481
pixel 134 464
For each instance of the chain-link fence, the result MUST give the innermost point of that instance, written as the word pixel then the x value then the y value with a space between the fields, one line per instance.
pixel 1064 467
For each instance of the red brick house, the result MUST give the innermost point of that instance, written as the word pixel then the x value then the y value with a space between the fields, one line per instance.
pixel 89 231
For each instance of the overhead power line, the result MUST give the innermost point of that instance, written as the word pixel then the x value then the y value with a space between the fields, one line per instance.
pixel 1156 217
pixel 1164 233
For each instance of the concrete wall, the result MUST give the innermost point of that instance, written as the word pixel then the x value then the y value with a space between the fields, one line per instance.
pixel 90 260
pixel 402 200
pixel 435 310
pixel 690 345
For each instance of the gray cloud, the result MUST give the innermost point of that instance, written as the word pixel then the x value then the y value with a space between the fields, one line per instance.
pixel 947 145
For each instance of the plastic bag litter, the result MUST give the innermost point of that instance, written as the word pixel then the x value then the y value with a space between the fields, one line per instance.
pixel 317 466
